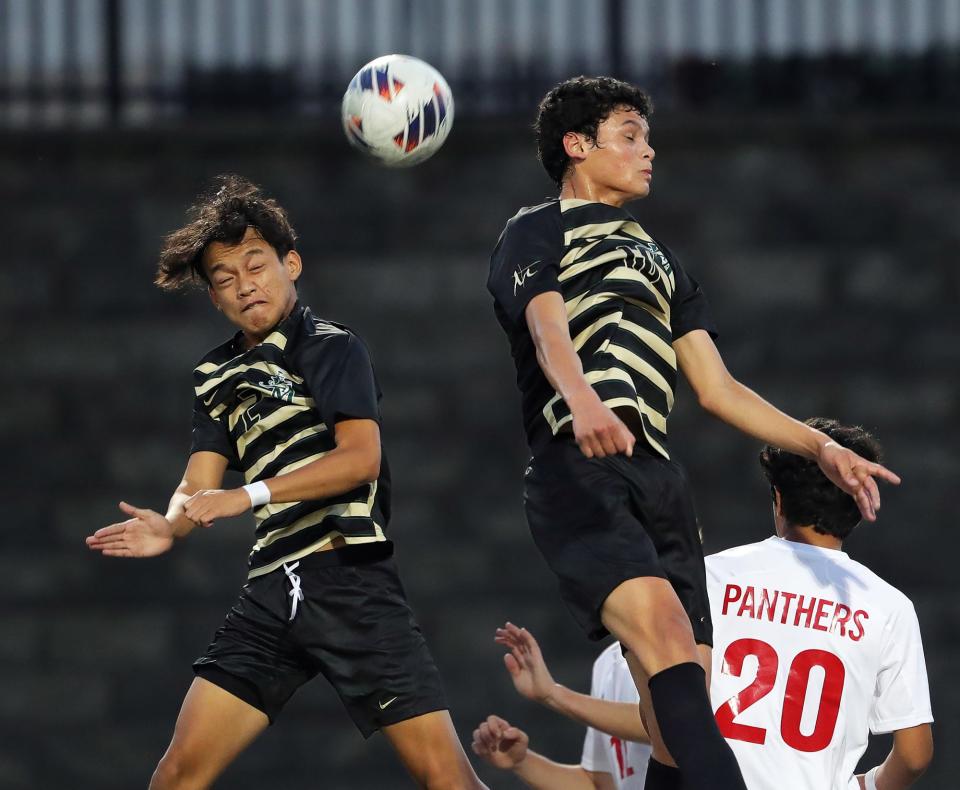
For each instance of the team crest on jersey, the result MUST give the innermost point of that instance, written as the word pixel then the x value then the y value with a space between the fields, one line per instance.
pixel 648 258
pixel 280 387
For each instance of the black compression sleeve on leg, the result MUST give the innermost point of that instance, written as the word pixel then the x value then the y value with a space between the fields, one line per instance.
pixel 689 731
pixel 662 777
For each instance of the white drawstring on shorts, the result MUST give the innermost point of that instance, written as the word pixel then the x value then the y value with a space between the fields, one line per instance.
pixel 296 594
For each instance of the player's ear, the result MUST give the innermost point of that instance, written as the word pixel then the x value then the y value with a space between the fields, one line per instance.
pixel 576 146
pixel 294 264
pixel 777 508
pixel 213 297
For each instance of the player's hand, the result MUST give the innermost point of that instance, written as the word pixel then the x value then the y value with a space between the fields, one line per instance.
pixel 855 475
pixel 599 431
pixel 145 534
pixel 206 506
pixel 525 663
pixel 499 743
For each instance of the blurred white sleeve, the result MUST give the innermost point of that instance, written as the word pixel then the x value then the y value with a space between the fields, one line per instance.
pixel 902 694
pixel 596 744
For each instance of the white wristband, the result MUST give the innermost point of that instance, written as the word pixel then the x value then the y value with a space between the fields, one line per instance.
pixel 258 492
pixel 870 778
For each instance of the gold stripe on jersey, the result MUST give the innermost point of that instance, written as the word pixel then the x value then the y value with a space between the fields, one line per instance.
pixel 588 231
pixel 592 377
pixel 638 405
pixel 575 263
pixel 344 510
pixel 272 508
pixel 275 338
pixel 576 266
pixel 655 343
pixel 645 411
pixel 250 397
pixel 250 474
pixel 580 304
pixel 626 273
pixel 268 423
pixel 278 417
pixel 618 229
pixel 627 357
pixel 657 420
pixel 324 541
pixel 264 512
pixel 599 258
pixel 232 370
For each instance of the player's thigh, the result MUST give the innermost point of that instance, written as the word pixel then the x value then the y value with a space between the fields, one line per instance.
pixel 213 727
pixel 430 750
pixel 649 620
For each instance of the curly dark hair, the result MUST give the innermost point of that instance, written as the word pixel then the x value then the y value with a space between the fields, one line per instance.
pixel 222 213
pixel 807 497
pixel 580 104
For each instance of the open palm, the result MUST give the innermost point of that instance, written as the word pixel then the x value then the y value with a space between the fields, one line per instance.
pixel 525 663
pixel 145 534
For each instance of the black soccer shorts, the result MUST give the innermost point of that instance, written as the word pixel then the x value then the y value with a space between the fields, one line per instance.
pixel 353 625
pixel 601 521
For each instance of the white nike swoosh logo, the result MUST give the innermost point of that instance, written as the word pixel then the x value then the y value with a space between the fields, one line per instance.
pixel 385 705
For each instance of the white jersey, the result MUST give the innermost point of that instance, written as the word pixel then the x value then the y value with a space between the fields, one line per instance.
pixel 625 761
pixel 812 652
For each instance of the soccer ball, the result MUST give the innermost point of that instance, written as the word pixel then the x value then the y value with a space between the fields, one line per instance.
pixel 398 110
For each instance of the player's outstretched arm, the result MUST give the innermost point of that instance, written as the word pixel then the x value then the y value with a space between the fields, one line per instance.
pixel 726 398
pixel 146 533
pixel 598 431
pixel 352 463
pixel 532 679
pixel 908 760
pixel 506 747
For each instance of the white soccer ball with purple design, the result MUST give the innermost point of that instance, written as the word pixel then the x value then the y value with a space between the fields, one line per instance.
pixel 398 110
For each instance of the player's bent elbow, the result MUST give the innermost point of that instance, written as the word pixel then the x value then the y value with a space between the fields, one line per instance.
pixel 914 749
pixel 368 467
pixel 710 401
pixel 718 397
pixel 917 763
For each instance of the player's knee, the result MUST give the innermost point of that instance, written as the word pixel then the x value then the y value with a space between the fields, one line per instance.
pixel 173 772
pixel 442 775
pixel 664 631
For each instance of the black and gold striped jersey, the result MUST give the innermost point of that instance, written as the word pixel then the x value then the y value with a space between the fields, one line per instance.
pixel 272 409
pixel 627 299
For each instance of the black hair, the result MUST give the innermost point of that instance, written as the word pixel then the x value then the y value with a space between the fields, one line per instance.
pixel 807 497
pixel 580 105
pixel 222 213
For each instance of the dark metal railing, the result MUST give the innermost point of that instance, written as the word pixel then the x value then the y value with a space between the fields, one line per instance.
pixel 139 61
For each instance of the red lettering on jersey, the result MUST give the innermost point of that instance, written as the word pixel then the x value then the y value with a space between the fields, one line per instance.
pixel 787 600
pixel 821 613
pixel 841 617
pixel 625 770
pixel 747 604
pixel 768 604
pixel 798 680
pixel 731 594
pixel 858 618
pixel 801 610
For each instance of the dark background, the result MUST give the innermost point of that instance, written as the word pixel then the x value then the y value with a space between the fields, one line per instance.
pixel 807 171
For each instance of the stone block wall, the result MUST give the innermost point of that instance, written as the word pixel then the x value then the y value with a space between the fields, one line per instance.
pixel 828 248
